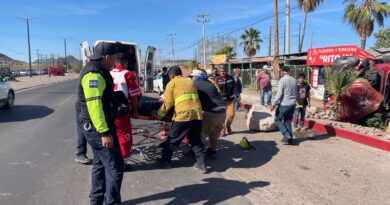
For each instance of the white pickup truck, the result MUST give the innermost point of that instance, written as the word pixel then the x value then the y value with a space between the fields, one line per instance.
pixel 7 94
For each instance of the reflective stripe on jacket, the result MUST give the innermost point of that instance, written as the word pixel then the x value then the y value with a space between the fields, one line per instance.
pixel 181 94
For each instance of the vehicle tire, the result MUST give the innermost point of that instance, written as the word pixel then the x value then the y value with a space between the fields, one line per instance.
pixel 10 100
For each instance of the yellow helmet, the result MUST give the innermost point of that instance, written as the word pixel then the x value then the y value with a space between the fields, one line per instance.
pixel 244 144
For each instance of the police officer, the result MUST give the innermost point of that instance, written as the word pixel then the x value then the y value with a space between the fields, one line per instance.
pixel 97 115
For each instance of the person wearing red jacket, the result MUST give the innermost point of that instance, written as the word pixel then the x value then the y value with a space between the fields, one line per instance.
pixel 125 82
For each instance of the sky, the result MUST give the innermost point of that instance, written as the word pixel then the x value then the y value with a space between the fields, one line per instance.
pixel 147 23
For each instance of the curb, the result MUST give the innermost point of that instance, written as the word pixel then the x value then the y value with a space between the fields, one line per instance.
pixel 340 132
pixel 346 134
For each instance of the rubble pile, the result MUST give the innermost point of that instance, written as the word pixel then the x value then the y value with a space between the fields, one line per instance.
pixel 325 117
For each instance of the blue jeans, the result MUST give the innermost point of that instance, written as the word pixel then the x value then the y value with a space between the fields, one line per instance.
pixel 107 168
pixel 283 118
pixel 81 148
pixel 269 96
pixel 299 112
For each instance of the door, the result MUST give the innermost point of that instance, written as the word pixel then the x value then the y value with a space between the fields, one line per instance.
pixel 3 88
pixel 149 64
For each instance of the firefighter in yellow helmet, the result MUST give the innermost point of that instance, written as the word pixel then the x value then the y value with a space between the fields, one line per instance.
pixel 182 94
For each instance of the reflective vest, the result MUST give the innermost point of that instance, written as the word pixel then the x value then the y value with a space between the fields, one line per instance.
pixel 120 83
pixel 108 98
pixel 181 94
pixel 226 87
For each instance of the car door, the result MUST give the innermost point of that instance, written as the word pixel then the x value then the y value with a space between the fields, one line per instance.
pixel 149 64
pixel 3 89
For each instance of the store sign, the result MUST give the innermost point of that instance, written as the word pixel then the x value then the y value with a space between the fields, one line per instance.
pixel 218 59
pixel 326 55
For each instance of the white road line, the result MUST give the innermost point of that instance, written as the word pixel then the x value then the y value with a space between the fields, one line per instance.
pixel 64 101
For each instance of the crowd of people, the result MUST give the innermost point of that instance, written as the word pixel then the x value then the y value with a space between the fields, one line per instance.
pixel 203 107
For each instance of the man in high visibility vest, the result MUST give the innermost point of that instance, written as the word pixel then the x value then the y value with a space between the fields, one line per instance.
pixel 181 93
pixel 125 82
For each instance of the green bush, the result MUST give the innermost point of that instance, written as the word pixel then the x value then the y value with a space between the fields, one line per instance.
pixel 376 121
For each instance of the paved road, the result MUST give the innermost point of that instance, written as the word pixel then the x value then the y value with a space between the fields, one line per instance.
pixel 37 167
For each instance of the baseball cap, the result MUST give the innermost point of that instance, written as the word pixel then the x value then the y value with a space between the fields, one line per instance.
pixel 196 73
pixel 103 49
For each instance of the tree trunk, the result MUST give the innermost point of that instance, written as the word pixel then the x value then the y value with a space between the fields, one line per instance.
pixel 363 42
pixel 276 40
pixel 303 33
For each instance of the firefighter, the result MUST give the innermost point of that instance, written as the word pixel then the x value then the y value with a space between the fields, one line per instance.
pixel 125 83
pixel 228 88
pixel 182 94
pixel 97 114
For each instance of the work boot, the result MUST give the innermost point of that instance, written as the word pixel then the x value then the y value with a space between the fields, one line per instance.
pixel 82 159
pixel 201 167
pixel 211 154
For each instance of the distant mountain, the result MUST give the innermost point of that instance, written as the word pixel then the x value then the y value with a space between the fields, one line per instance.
pixel 6 59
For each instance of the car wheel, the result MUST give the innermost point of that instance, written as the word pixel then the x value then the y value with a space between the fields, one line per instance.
pixel 10 100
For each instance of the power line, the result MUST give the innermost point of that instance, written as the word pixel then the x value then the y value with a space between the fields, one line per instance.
pixel 28 41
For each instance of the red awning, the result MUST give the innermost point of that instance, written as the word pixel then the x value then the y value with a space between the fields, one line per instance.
pixel 326 55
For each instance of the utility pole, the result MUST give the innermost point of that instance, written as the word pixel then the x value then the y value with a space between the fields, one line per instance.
pixel 287 34
pixel 160 57
pixel 311 41
pixel 37 59
pixel 284 40
pixel 299 38
pixel 171 37
pixel 269 41
pixel 28 42
pixel 276 40
pixel 202 19
pixel 66 57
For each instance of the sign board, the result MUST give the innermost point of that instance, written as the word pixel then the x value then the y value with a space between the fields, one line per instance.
pixel 148 86
pixel 326 55
pixel 218 59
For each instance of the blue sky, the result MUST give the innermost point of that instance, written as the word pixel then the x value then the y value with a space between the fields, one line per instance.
pixel 147 22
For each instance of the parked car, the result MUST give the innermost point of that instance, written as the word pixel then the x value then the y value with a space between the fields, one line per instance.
pixel 7 93
pixel 158 84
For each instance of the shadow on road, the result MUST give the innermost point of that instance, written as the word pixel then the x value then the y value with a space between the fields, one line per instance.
pixel 21 113
pixel 229 155
pixel 213 191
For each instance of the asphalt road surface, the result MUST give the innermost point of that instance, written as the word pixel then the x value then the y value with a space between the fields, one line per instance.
pixel 38 138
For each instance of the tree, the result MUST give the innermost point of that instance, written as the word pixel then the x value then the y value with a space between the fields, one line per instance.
pixel 228 51
pixel 307 6
pixel 362 17
pixel 189 65
pixel 251 41
pixel 382 38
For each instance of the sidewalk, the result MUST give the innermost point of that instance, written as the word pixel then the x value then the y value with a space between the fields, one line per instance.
pixel 26 82
pixel 251 96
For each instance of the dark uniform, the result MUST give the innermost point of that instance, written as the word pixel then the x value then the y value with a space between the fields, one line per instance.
pixel 97 115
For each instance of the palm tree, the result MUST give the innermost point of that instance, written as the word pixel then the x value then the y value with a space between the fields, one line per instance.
pixel 307 6
pixel 363 16
pixel 228 51
pixel 251 41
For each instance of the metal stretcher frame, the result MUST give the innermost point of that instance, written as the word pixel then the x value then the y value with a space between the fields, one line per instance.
pixel 151 138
